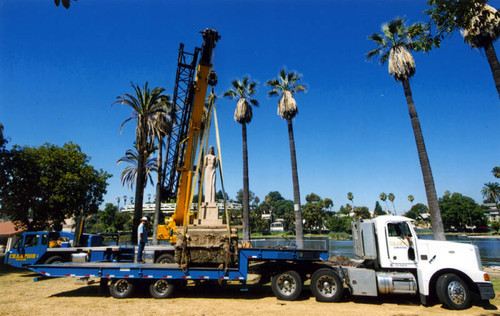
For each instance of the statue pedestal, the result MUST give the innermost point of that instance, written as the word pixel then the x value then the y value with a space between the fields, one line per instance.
pixel 209 215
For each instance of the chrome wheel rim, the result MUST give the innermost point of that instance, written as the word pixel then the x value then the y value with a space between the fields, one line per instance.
pixel 456 292
pixel 326 285
pixel 286 284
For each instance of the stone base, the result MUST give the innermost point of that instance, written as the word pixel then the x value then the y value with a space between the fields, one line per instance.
pixel 208 215
pixel 206 246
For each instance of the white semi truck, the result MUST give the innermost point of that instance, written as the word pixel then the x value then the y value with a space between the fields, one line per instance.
pixel 397 262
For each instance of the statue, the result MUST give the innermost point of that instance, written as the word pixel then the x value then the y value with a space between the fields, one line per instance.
pixel 211 162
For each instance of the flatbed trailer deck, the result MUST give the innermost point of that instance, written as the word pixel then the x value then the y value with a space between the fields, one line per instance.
pixel 163 277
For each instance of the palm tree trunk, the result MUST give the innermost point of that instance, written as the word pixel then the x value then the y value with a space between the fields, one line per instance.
pixel 430 190
pixel 299 230
pixel 158 192
pixel 494 64
pixel 139 191
pixel 246 207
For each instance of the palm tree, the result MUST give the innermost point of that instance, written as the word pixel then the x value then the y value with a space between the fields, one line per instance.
pixel 146 106
pixel 391 198
pixel 124 200
pixel 129 174
pixel 483 36
pixel 287 85
pixel 478 22
pixel 243 91
pixel 161 128
pixel 394 45
pixel 491 192
pixel 383 197
pixel 411 199
pixel 496 172
pixel 118 202
pixel 350 197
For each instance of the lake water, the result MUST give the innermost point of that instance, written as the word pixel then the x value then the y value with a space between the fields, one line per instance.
pixel 489 248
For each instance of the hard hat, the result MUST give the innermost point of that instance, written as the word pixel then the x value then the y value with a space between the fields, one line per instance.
pixel 144 219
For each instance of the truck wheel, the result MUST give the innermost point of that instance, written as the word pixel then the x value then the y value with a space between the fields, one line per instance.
pixel 326 285
pixel 54 259
pixel 121 288
pixel 453 292
pixel 287 285
pixel 165 258
pixel 161 288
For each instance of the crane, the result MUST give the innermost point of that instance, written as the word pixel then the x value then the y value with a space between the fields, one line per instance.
pixel 188 141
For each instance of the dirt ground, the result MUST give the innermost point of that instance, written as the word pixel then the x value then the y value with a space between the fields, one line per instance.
pixel 19 295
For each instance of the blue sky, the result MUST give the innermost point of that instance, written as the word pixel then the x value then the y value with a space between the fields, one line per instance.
pixel 60 70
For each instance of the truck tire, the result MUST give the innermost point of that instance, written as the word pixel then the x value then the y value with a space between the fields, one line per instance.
pixel 54 259
pixel 165 258
pixel 326 285
pixel 161 288
pixel 453 292
pixel 287 285
pixel 121 288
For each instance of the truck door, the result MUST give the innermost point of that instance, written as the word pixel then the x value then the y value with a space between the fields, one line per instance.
pixel 29 249
pixel 401 244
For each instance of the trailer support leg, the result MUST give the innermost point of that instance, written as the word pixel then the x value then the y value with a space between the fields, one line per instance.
pixel 103 286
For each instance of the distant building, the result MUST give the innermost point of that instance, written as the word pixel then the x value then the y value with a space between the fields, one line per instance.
pixel 169 208
pixel 492 213
pixel 277 226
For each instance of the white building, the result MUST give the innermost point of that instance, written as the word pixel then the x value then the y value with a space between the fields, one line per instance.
pixel 169 208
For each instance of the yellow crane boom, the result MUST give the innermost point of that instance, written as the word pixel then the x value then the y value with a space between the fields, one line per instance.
pixel 204 77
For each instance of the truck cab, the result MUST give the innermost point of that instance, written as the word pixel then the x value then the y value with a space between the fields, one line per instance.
pixel 37 247
pixel 399 262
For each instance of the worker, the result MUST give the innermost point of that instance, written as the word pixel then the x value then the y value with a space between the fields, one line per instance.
pixel 142 237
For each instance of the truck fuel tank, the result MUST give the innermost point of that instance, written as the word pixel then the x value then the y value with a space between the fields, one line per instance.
pixel 396 283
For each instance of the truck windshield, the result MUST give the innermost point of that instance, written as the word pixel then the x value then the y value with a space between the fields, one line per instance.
pixel 31 241
pixel 398 230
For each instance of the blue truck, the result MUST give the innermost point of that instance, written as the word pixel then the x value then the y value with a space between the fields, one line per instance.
pixel 46 247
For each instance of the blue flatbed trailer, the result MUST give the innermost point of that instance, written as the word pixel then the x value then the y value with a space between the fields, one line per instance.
pixel 291 266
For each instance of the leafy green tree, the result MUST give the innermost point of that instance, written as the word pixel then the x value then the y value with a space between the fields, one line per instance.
pixel 328 203
pixel 395 44
pixel 343 210
pixel 110 220
pixel 340 224
pixel 287 85
pixel 417 210
pixel 460 211
pixel 314 213
pixel 47 184
pixel 243 91
pixel 377 211
pixel 478 22
pixel 491 192
pixel 362 211
pixel 495 226
pixel 147 108
pixel 240 194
